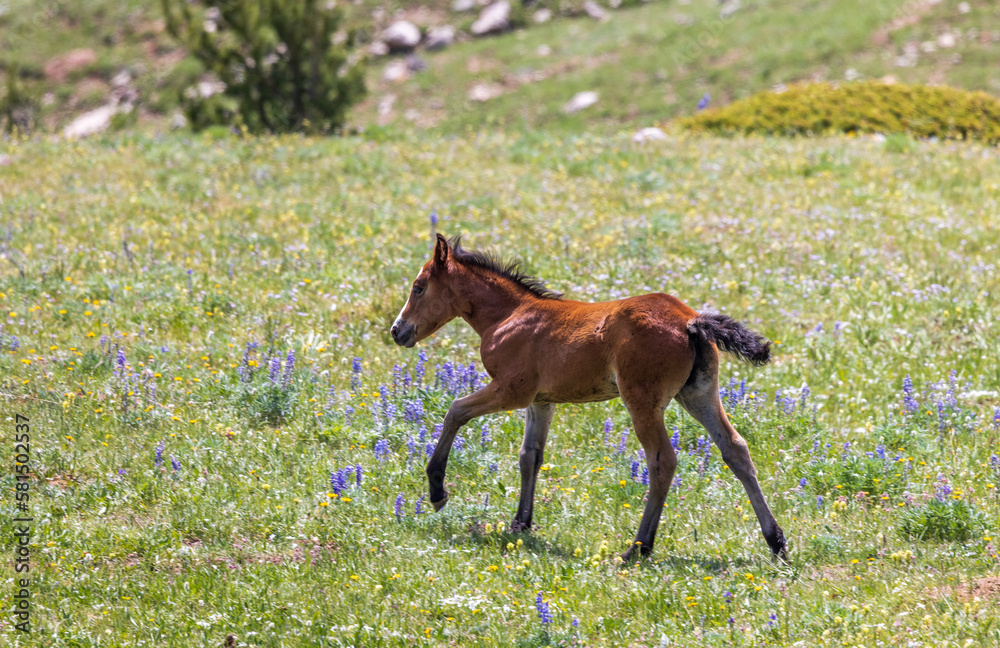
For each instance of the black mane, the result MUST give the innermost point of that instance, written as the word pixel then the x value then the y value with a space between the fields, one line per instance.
pixel 507 269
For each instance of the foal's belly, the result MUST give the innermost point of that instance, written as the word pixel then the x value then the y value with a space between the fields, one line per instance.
pixel 590 391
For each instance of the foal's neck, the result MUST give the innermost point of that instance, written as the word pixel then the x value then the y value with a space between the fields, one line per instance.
pixel 488 299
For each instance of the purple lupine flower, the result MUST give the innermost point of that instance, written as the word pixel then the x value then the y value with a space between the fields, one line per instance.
pixel 576 622
pixel 274 371
pixel 434 218
pixel 15 344
pixel 336 482
pixel 880 451
pixel 950 398
pixel 429 449
pixel 411 446
pixel 772 620
pixel 621 443
pixel 348 414
pixel 381 450
pixel 645 476
pixel 942 489
pixel 422 433
pixel 803 482
pixel 459 442
pixel 286 379
pixel 996 418
pixel 417 510
pixel 703 103
pixel 635 469
pixel 383 393
pixel 400 500
pixel 159 455
pixel 608 426
pixel 909 403
pixel 675 440
pixel 728 597
pixel 420 370
pixel 175 463
pixel 493 468
pixel 413 411
pixel 543 610
pixel 358 475
pixel 484 435
pixel 847 449
pixel 819 501
pixel 397 378
pixel 122 472
pixel 803 396
pixel 942 417
pixel 437 431
pixel 355 374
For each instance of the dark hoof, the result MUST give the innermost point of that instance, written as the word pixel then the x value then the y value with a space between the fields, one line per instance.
pixel 520 527
pixel 438 505
pixel 637 550
pixel 778 546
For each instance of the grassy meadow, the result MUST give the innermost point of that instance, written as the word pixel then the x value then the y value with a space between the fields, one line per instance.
pixel 224 440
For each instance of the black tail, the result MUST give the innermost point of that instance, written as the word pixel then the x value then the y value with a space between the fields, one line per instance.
pixel 731 336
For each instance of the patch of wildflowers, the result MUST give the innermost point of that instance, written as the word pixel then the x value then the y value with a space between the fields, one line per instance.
pixel 542 607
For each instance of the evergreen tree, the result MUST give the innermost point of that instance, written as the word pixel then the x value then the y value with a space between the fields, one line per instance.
pixel 284 66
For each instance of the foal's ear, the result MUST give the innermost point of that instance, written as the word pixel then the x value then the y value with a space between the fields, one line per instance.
pixel 441 251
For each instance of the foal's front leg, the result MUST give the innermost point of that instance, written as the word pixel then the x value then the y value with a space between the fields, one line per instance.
pixel 487 400
pixel 537 419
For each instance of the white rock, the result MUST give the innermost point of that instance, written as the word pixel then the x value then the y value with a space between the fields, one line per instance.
pixel 494 18
pixel 385 105
pixel 580 101
pixel 178 121
pixel 401 35
pixel 649 134
pixel 90 123
pixel 964 8
pixel 462 6
pixel 543 50
pixel 440 37
pixel 378 48
pixel 543 15
pixel 396 70
pixel 121 79
pixel 485 92
pixel 594 10
pixel 946 40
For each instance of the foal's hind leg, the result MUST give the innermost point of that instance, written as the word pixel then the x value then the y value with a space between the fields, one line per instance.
pixel 700 398
pixel 537 419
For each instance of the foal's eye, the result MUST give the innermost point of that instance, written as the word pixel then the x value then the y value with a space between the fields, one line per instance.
pixel 417 290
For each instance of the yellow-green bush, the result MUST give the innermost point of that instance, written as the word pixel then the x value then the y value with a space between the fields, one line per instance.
pixel 866 107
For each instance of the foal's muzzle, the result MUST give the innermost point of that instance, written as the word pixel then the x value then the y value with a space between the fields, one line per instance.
pixel 403 333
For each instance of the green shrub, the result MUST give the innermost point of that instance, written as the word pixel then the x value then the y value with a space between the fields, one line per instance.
pixel 283 66
pixel 864 107
pixel 854 474
pixel 17 106
pixel 953 520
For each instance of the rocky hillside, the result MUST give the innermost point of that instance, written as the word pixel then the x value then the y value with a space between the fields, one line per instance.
pixel 456 64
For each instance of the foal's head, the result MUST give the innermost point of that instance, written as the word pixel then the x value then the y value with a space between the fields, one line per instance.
pixel 431 303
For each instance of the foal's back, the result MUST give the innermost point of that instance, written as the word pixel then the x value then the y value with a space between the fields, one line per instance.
pixel 576 352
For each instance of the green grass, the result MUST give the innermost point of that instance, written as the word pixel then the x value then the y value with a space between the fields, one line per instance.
pixel 178 251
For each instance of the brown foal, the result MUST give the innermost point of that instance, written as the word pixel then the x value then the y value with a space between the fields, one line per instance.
pixel 541 350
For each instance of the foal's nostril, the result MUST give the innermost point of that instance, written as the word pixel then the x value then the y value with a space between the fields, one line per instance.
pixel 394 331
